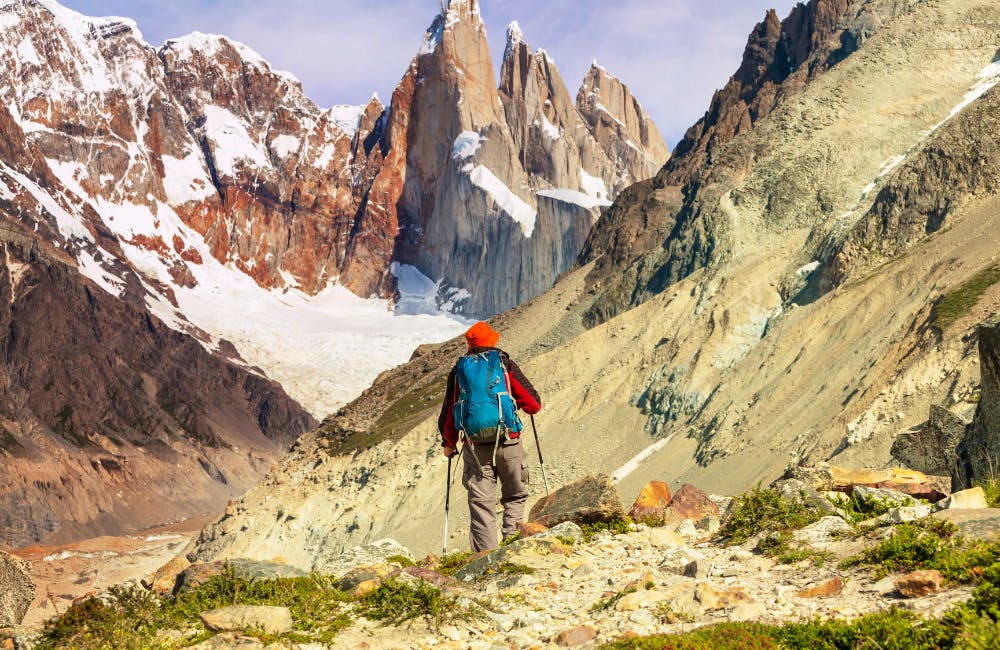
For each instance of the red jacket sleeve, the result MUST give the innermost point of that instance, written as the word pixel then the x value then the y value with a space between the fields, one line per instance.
pixel 446 420
pixel 524 394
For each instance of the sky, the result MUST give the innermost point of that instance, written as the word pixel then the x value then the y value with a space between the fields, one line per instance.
pixel 672 54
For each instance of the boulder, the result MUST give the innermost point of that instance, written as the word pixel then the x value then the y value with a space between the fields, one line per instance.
pixel 826 531
pixel 370 554
pixel 825 589
pixel 165 579
pixel 566 530
pixel 918 584
pixel 883 497
pixel 823 477
pixel 272 620
pixel 579 635
pixel 535 552
pixel 529 528
pixel 971 499
pixel 429 576
pixel 904 514
pixel 590 500
pixel 652 502
pixel 799 492
pixel 641 599
pixel 981 524
pixel 350 580
pixel 692 504
pixel 931 447
pixel 17 589
pixel 200 573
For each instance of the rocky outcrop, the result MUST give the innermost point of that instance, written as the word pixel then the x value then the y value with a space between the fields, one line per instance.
pixel 501 186
pixel 17 590
pixel 980 450
pixel 958 162
pixel 663 231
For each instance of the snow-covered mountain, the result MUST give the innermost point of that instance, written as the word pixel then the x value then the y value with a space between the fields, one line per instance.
pixel 202 193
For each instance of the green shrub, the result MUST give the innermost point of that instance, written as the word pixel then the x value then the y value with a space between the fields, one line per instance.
pixel 401 560
pixel 609 602
pixel 764 510
pixel 724 636
pixel 132 618
pixel 451 563
pixel 615 527
pixel 396 602
pixel 957 303
pixel 930 544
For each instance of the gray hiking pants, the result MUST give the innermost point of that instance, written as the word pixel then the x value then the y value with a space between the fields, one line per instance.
pixel 479 477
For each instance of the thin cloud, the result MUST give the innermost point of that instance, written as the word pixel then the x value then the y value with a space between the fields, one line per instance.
pixel 673 55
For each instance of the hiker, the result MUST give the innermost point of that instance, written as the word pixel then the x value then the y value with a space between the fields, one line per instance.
pixel 484 389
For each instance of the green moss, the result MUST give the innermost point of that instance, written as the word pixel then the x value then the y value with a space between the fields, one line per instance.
pixel 509 568
pixel 930 544
pixel 614 527
pixel 401 560
pixel 396 602
pixel 510 540
pixel 955 304
pixel 566 540
pixel 133 619
pixel 991 487
pixel 764 510
pixel 451 563
pixel 609 602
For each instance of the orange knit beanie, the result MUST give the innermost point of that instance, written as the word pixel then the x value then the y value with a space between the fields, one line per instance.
pixel 481 335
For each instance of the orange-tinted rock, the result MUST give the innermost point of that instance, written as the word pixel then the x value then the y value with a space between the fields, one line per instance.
pixel 920 583
pixel 691 503
pixel 591 499
pixel 165 577
pixel 652 502
pixel 831 587
pixel 529 528
pixel 577 636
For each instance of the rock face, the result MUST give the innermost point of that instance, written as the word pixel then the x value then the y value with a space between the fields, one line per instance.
pixel 981 446
pixel 500 186
pixel 589 500
pixel 17 590
pixel 932 447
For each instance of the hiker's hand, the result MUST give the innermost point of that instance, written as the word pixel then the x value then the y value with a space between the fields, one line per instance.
pixel 449 452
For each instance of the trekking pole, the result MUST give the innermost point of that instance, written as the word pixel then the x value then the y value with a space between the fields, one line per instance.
pixel 541 463
pixel 447 502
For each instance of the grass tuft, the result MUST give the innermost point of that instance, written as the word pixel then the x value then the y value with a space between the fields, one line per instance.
pixel 614 527
pixel 764 510
pixel 957 303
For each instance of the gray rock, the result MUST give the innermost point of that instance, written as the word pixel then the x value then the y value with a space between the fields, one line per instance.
pixel 591 499
pixel 371 554
pixel 826 531
pixel 931 447
pixel 906 513
pixel 684 561
pixel 534 552
pixel 272 620
pixel 565 529
pixel 883 497
pixel 17 590
pixel 981 524
pixel 200 573
pixel 798 491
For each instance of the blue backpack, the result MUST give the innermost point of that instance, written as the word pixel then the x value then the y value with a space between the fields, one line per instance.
pixel 484 410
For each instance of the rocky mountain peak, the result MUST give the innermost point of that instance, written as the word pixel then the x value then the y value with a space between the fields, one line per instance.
pixel 620 124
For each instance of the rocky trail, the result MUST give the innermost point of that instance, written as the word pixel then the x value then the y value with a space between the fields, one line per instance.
pixel 588 586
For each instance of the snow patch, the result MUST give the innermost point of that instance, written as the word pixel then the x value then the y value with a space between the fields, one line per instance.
pixel 639 459
pixel 432 37
pixel 550 129
pixel 91 268
pixel 69 225
pixel 466 145
pixel 26 52
pixel 185 179
pixel 807 270
pixel 284 144
pixel 514 206
pixel 347 117
pixel 593 185
pixel 577 198
pixel 233 143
